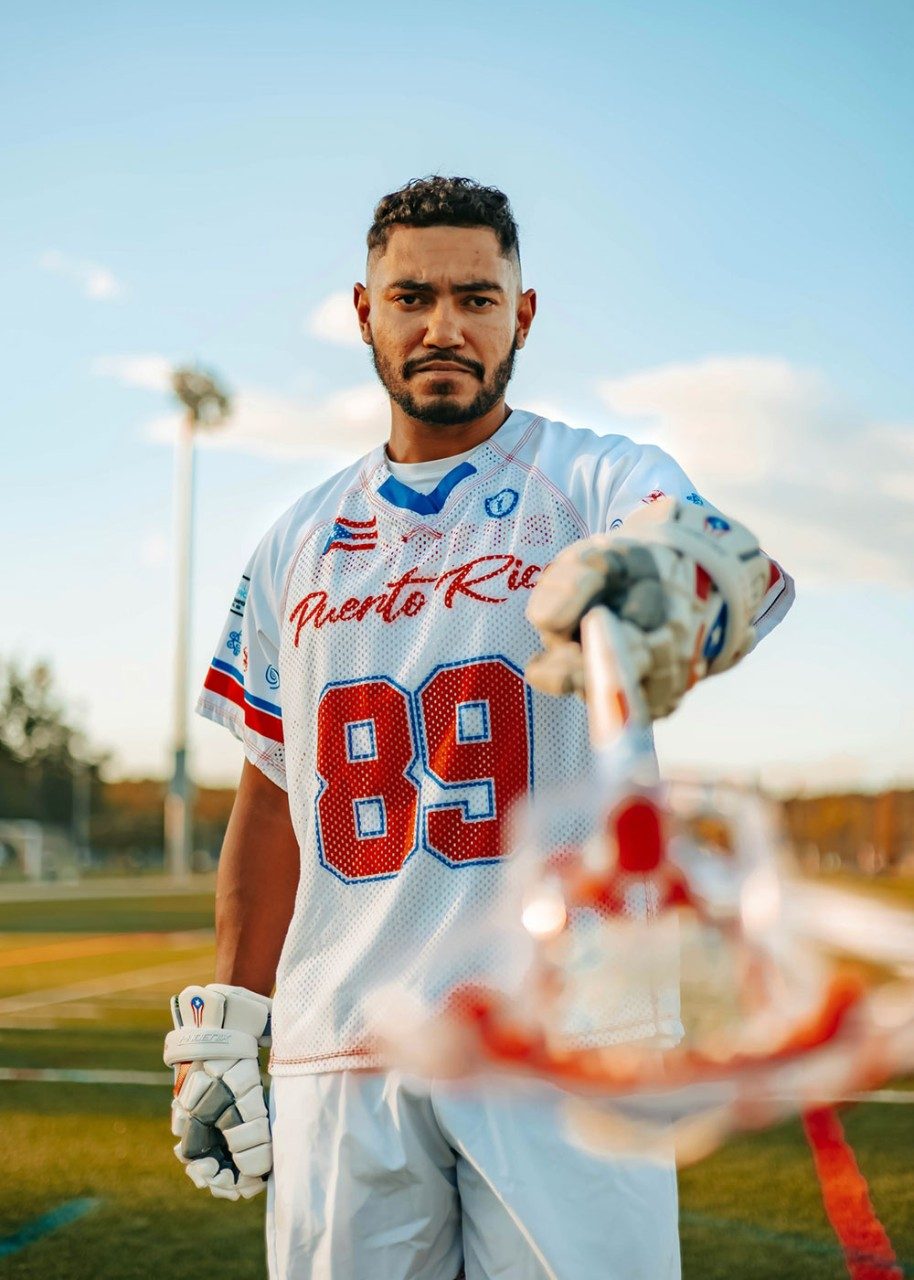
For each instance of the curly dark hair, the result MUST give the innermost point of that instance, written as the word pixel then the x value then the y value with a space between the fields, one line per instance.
pixel 437 201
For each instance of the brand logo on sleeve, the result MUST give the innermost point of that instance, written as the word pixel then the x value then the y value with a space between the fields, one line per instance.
pixel 241 596
pixel 233 643
pixel 502 503
pixel 352 535
pixel 271 675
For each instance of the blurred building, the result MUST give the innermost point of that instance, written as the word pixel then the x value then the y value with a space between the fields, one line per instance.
pixel 868 833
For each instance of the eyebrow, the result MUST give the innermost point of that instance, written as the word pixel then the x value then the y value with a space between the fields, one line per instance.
pixel 470 286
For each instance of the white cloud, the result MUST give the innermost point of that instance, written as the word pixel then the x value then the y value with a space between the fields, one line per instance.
pixel 828 490
pixel 552 410
pixel 334 320
pixel 344 424
pixel 94 280
pixel 151 372
pixel 738 417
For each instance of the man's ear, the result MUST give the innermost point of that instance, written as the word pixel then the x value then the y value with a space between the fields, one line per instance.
pixel 362 305
pixel 526 310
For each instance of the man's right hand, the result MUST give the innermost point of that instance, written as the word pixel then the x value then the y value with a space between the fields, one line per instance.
pixel 219 1110
pixel 685 583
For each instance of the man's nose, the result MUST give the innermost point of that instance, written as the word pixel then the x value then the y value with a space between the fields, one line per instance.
pixel 444 329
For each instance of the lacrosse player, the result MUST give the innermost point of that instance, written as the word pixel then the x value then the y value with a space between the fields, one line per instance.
pixel 373 667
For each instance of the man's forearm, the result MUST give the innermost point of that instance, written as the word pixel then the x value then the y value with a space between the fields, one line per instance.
pixel 256 884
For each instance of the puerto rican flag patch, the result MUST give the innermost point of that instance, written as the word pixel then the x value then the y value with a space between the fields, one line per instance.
pixel 352 535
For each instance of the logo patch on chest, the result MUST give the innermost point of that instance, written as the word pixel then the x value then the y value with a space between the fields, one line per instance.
pixel 502 503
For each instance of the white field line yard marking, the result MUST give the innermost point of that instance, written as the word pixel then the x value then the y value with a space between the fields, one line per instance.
pixel 96 987
pixel 60 1075
pixel 102 945
pixel 63 1015
pixel 68 1075
pixel 109 1010
pixel 109 887
pixel 58 1015
pixel 902 1097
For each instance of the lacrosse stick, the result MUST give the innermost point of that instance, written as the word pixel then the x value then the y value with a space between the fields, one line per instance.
pixel 668 897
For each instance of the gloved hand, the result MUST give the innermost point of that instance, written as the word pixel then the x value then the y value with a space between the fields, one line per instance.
pixel 219 1110
pixel 685 581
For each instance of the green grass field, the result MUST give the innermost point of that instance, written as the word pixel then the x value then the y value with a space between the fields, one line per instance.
pixel 84 984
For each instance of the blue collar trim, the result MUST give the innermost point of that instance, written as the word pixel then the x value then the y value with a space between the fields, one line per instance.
pixel 399 494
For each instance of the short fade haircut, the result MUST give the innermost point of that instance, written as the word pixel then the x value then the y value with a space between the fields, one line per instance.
pixel 436 201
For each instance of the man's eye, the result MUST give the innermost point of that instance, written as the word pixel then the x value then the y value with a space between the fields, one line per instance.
pixel 408 299
pixel 481 304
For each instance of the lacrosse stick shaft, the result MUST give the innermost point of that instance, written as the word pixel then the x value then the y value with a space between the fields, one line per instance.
pixel 618 720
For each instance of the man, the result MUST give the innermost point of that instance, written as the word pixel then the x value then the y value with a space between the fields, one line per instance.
pixel 373 668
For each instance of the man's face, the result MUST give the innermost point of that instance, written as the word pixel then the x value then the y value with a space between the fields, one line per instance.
pixel 444 315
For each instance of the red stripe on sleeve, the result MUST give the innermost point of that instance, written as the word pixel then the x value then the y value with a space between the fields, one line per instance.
pixel 262 722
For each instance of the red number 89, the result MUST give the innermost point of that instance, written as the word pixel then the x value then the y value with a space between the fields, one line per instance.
pixel 472 723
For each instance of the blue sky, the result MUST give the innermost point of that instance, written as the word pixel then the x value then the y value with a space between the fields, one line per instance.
pixel 715 204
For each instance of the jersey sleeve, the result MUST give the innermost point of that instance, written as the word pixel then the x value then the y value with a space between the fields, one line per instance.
pixel 650 475
pixel 776 602
pixel 241 690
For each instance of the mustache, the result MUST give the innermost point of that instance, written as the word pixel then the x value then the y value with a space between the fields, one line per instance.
pixel 412 367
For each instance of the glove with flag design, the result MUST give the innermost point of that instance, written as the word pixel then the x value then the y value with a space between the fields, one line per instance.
pixel 219 1111
pixel 686 583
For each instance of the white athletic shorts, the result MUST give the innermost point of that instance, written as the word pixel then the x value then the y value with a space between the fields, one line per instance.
pixel 378 1177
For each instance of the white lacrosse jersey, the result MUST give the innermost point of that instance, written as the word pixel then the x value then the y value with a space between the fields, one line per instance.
pixel 372 666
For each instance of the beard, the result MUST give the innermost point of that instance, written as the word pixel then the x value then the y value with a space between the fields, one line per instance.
pixel 441 409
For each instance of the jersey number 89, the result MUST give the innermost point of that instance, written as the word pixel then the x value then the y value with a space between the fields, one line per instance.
pixel 452 756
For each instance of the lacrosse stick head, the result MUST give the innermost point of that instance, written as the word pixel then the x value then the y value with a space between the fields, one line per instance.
pixel 658 959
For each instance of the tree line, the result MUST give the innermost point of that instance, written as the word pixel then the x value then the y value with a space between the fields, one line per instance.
pixel 41 750
pixel 49 774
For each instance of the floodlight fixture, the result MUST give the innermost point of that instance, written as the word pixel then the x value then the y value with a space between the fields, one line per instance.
pixel 208 404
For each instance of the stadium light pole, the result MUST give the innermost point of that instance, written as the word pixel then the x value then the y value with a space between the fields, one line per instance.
pixel 206 405
pixel 81 787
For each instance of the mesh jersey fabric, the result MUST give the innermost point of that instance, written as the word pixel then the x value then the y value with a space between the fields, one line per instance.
pixel 371 665
pixel 425 476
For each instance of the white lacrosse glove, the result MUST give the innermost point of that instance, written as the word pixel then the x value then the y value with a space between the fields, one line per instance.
pixel 219 1111
pixel 686 583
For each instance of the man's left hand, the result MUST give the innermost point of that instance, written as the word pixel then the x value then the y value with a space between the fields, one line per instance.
pixel 219 1111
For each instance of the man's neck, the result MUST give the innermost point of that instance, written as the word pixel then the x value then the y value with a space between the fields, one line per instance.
pixel 412 441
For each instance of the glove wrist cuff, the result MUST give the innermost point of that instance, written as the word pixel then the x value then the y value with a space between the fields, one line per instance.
pixel 198 1044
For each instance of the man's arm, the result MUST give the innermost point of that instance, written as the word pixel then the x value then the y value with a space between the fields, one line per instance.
pixel 256 884
pixel 219 1111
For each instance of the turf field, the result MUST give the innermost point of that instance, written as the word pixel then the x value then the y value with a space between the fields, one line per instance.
pixel 90 1190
